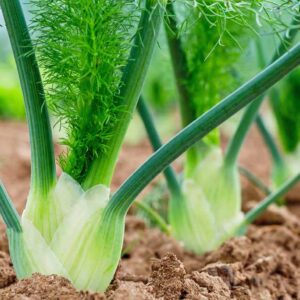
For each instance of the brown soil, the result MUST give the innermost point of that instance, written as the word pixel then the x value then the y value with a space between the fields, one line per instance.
pixel 265 264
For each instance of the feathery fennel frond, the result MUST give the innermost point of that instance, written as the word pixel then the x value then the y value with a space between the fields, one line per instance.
pixel 212 37
pixel 214 33
pixel 82 47
pixel 275 15
pixel 210 55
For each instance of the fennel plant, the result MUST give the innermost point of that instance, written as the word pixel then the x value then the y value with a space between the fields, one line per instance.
pixel 285 107
pixel 92 77
pixel 94 57
pixel 285 112
pixel 208 208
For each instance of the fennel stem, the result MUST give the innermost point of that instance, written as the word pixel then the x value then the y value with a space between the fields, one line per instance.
pixel 156 143
pixel 125 195
pixel 13 230
pixel 280 172
pixel 43 174
pixel 102 169
pixel 254 180
pixel 8 211
pixel 180 68
pixel 253 214
pixel 269 141
pixel 236 142
pixel 154 216
pixel 169 173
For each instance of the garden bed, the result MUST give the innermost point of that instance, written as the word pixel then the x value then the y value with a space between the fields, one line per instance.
pixel 263 265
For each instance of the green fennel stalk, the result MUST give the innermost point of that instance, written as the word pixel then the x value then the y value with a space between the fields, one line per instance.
pixel 280 172
pixel 180 68
pixel 204 124
pixel 261 207
pixel 286 108
pixel 274 151
pixel 42 155
pixel 156 143
pixel 255 180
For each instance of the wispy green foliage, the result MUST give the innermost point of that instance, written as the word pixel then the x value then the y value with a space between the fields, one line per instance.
pixel 214 35
pixel 219 13
pixel 210 55
pixel 82 47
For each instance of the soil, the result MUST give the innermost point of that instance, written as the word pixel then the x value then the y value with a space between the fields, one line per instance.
pixel 264 264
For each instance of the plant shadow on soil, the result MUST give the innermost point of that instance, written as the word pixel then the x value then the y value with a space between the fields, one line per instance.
pixel 264 264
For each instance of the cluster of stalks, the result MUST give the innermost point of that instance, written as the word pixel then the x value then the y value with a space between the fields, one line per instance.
pixel 88 63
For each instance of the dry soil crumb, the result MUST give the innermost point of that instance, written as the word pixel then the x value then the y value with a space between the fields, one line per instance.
pixel 167 277
pixel 204 286
pixel 3 238
pixel 7 274
pixel 46 288
pixel 129 290
pixel 263 265
pixel 142 245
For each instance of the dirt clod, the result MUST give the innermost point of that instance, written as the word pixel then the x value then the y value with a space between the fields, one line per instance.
pixel 46 288
pixel 7 274
pixel 225 271
pixel 142 245
pixel 204 286
pixel 3 239
pixel 234 250
pixel 130 290
pixel 167 276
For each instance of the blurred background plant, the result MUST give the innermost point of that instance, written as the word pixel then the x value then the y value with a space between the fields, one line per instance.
pixel 279 122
